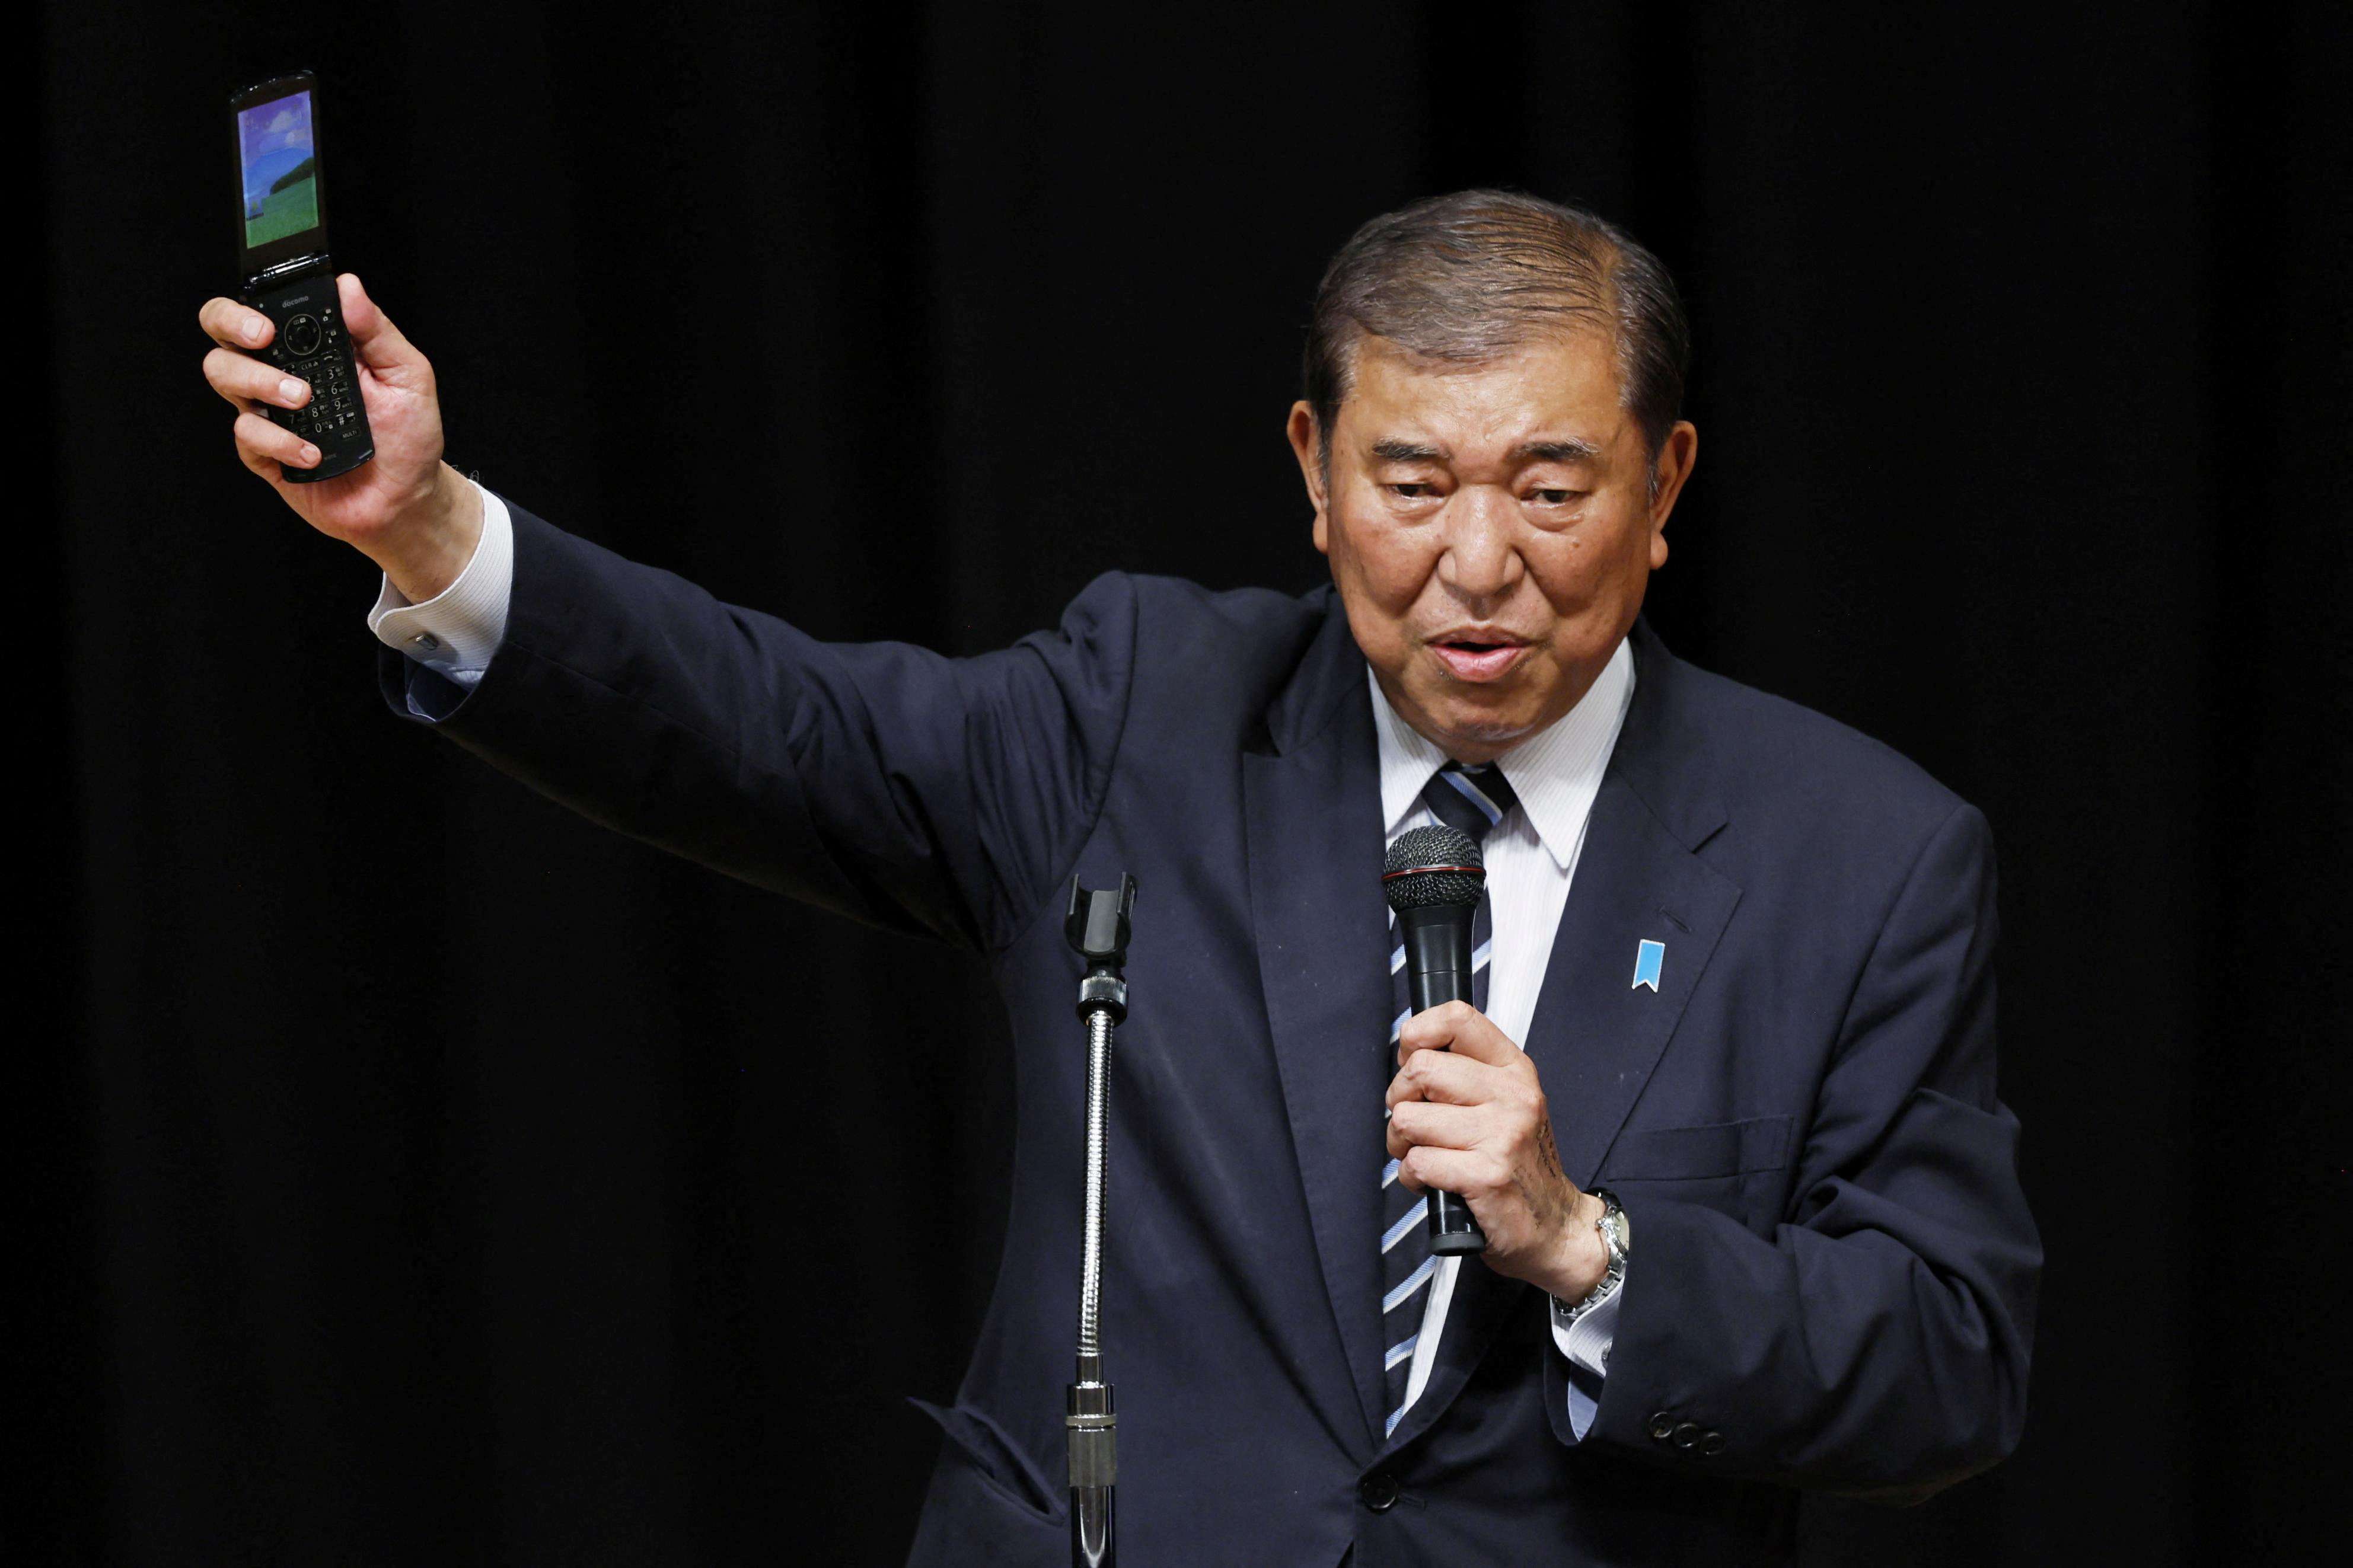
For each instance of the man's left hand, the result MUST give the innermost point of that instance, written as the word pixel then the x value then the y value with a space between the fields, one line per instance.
pixel 1467 1114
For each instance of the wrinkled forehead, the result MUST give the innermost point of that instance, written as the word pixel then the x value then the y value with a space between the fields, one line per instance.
pixel 1562 382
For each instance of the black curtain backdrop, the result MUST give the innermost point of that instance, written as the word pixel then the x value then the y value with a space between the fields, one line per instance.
pixel 416 1173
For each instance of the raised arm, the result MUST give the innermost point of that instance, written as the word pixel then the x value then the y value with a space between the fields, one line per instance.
pixel 879 779
pixel 940 795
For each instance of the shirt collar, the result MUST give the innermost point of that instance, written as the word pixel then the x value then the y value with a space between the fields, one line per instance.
pixel 1556 772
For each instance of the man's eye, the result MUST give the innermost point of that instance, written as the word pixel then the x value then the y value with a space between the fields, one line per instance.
pixel 1411 491
pixel 1556 498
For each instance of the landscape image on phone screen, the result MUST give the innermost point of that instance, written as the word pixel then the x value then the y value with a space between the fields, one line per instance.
pixel 282 170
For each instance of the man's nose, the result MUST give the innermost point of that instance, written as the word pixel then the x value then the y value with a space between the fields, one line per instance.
pixel 1481 560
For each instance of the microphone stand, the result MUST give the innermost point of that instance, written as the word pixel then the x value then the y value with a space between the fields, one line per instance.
pixel 1097 926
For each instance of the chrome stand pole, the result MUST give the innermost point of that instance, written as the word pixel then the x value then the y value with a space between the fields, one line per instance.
pixel 1098 926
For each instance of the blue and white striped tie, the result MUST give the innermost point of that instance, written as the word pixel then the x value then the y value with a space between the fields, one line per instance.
pixel 1472 801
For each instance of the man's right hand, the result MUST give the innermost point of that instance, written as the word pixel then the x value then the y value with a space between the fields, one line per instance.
pixel 406 509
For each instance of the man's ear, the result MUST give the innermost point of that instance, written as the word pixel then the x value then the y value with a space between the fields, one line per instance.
pixel 1307 445
pixel 1677 454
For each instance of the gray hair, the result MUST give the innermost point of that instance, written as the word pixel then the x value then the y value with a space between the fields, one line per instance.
pixel 1466 279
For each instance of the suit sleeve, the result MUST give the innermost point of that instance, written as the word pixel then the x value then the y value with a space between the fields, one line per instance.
pixel 1877 1343
pixel 936 795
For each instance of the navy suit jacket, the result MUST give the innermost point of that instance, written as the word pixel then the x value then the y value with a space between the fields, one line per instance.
pixel 1833 1268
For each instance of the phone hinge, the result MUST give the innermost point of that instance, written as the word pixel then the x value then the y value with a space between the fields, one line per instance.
pixel 268 274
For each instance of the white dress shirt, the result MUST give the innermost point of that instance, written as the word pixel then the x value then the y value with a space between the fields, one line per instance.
pixel 1531 855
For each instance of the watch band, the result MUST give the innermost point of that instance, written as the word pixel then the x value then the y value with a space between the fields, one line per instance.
pixel 1612 1228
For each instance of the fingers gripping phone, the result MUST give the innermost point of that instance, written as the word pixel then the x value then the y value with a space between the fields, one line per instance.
pixel 282 251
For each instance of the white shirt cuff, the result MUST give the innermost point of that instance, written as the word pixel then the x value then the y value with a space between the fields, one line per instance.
pixel 455 632
pixel 1586 1342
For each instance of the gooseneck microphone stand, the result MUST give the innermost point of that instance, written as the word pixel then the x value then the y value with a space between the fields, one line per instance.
pixel 1097 926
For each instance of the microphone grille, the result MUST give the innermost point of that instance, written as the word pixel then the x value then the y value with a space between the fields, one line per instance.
pixel 1433 866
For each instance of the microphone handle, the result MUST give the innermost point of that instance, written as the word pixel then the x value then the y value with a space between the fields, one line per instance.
pixel 1437 970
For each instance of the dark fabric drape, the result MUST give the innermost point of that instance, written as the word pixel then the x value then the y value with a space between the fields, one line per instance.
pixel 415 1174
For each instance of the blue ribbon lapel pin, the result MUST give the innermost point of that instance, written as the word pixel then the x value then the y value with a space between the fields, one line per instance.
pixel 1649 959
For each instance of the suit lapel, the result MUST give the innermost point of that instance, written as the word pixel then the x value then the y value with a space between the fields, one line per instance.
pixel 1313 801
pixel 1596 1037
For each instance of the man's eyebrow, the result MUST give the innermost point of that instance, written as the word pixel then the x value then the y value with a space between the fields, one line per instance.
pixel 1393 450
pixel 1570 451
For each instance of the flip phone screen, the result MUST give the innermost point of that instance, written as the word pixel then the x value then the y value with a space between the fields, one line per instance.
pixel 278 154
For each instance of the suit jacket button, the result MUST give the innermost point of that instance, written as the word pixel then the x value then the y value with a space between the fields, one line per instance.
pixel 1378 1492
pixel 1663 1426
pixel 1712 1443
pixel 1686 1435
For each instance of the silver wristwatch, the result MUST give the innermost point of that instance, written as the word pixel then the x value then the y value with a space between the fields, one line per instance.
pixel 1616 1236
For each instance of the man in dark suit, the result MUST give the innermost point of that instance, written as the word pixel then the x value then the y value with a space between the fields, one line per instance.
pixel 1726 1110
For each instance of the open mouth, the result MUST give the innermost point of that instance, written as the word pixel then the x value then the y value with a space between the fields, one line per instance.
pixel 1478 656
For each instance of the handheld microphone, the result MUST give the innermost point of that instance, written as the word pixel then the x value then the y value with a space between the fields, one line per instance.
pixel 1433 879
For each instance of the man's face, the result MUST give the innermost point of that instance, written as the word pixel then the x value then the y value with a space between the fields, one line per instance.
pixel 1491 529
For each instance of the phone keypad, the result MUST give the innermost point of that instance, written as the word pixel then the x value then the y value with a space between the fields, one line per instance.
pixel 334 407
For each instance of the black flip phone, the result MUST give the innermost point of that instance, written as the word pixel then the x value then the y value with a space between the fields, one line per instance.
pixel 281 227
